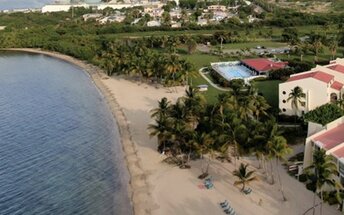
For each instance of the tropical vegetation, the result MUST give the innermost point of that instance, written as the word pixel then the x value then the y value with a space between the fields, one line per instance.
pixel 244 176
pixel 237 124
pixel 322 172
pixel 324 114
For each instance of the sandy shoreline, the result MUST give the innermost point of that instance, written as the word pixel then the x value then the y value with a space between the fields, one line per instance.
pixel 160 189
pixel 138 192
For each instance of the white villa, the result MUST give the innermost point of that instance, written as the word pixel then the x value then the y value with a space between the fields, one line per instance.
pixel 322 84
pixel 330 138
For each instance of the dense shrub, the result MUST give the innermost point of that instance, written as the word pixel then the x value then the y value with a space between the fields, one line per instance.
pixel 311 186
pixel 324 114
pixel 303 178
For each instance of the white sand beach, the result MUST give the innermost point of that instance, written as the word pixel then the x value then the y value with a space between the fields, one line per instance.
pixel 176 191
pixel 161 189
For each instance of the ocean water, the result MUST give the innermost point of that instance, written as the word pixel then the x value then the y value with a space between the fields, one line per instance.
pixel 18 4
pixel 59 145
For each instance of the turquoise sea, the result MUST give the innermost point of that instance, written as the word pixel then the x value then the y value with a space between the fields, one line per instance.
pixel 59 144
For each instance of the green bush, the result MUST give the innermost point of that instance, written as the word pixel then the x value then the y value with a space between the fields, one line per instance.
pixel 311 186
pixel 303 178
pixel 324 114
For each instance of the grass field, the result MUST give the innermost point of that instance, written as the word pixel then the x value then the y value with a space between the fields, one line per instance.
pixel 268 44
pixel 269 89
pixel 253 33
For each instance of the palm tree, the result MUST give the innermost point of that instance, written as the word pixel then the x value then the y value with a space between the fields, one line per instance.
pixel 317 45
pixel 279 148
pixel 220 35
pixel 161 128
pixel 244 176
pixel 324 170
pixel 332 46
pixel 260 106
pixel 191 44
pixel 204 144
pixel 162 109
pixel 296 97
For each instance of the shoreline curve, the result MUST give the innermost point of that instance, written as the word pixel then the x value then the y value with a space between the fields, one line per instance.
pixel 138 184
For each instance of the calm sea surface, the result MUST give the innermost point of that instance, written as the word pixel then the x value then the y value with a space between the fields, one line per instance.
pixel 59 147
pixel 17 4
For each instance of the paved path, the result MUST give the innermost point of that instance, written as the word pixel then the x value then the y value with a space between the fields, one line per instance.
pixel 210 82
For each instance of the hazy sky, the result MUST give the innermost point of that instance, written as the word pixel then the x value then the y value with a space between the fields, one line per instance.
pixel 12 4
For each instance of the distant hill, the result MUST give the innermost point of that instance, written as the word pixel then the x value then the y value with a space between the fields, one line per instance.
pixel 311 6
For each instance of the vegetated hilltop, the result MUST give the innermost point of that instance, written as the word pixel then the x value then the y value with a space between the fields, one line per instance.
pixel 311 6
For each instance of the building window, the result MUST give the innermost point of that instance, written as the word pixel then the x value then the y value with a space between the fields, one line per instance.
pixel 284 110
pixel 333 97
pixel 284 93
pixel 284 101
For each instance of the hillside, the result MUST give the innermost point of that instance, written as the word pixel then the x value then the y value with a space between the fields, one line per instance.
pixel 311 6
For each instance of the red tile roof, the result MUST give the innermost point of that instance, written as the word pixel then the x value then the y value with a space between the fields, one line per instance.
pixel 263 64
pixel 338 68
pixel 337 85
pixel 339 153
pixel 321 76
pixel 332 137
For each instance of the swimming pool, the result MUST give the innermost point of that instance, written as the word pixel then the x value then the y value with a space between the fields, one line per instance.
pixel 232 70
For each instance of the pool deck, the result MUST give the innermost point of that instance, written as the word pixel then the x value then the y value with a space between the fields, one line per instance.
pixel 210 82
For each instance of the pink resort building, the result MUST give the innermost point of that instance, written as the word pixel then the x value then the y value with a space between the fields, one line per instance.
pixel 322 84
pixel 330 138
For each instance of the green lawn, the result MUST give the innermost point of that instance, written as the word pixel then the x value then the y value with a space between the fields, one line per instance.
pixel 200 60
pixel 269 89
pixel 268 44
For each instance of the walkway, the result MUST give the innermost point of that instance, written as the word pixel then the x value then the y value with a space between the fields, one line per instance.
pixel 210 82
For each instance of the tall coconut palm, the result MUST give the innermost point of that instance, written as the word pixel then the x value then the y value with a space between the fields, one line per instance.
pixel 204 144
pixel 279 148
pixel 244 176
pixel 296 96
pixel 221 36
pixel 324 170
pixel 317 46
pixel 162 109
pixel 332 46
pixel 160 128
pixel 191 44
pixel 260 106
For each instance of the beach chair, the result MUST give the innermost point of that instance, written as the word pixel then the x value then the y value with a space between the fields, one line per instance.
pixel 229 210
pixel 247 191
pixel 209 185
pixel 224 203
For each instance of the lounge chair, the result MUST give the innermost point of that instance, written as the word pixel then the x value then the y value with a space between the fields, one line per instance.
pixel 224 206
pixel 209 185
pixel 229 210
pixel 224 203
pixel 247 191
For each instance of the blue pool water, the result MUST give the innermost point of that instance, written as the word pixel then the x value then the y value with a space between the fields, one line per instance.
pixel 234 71
pixel 59 145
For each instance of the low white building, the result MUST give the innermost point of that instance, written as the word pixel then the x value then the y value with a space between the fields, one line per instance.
pixel 89 16
pixel 217 8
pixel 153 23
pixel 201 21
pixel 110 19
pixel 321 85
pixel 176 25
